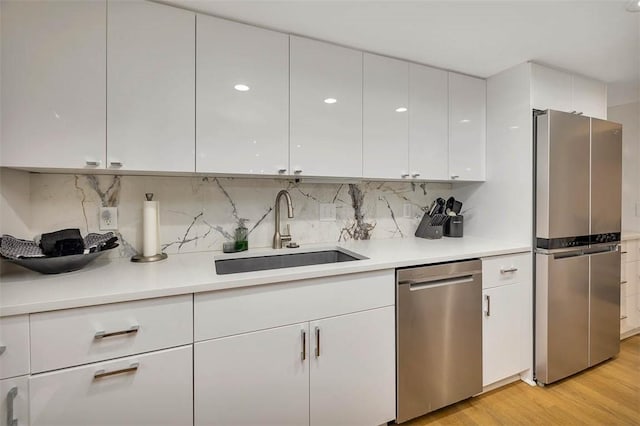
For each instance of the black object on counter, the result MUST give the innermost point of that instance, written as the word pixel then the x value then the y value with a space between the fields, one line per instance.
pixel 65 242
pixel 454 226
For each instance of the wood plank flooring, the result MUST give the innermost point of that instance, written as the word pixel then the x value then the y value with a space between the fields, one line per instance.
pixel 607 394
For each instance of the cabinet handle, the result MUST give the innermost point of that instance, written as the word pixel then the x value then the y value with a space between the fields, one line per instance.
pixel 92 163
pixel 454 176
pixel 102 334
pixel 303 355
pixel 624 252
pixel 104 373
pixel 488 305
pixel 282 171
pixel 404 175
pixel 507 270
pixel 623 317
pixel 297 171
pixel 116 164
pixel 11 396
pixel 2 349
pixel 415 175
pixel 623 282
pixel 317 342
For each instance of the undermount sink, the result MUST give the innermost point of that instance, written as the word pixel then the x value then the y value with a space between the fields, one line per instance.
pixel 285 260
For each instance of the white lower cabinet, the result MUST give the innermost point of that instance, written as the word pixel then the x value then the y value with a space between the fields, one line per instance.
pixel 334 371
pixel 14 394
pixel 155 388
pixel 503 326
pixel 353 369
pixel 259 378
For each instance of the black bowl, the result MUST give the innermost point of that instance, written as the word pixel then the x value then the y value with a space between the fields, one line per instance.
pixel 58 265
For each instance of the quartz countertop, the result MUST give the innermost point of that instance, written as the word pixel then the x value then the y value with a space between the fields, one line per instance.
pixel 119 280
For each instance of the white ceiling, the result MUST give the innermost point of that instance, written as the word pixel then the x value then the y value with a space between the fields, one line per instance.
pixel 598 39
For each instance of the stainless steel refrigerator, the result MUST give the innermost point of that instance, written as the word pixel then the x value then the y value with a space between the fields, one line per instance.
pixel 578 220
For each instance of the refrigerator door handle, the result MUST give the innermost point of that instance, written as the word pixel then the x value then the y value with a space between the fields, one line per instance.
pixel 568 254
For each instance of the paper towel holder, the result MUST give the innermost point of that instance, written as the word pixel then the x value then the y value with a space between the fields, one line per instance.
pixel 139 258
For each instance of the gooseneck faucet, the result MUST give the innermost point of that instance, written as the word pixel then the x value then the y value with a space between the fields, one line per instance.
pixel 278 238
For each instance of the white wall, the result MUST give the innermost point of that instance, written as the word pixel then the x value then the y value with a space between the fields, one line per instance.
pixel 15 205
pixel 629 116
pixel 502 207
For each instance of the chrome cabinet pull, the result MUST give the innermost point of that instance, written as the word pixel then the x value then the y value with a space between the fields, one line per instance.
pixel 488 305
pixel 507 270
pixel 623 317
pixel 2 349
pixel 104 373
pixel 102 334
pixel 282 171
pixel 624 252
pixel 317 342
pixel 415 175
pixel 303 355
pixel 404 175
pixel 297 171
pixel 116 164
pixel 92 163
pixel 454 176
pixel 11 396
pixel 623 282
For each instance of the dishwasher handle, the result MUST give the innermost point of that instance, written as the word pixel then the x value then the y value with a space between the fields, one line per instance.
pixel 421 285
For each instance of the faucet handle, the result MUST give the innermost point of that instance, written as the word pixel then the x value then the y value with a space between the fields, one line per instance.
pixel 288 231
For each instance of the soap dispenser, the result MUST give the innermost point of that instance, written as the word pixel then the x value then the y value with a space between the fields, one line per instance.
pixel 242 233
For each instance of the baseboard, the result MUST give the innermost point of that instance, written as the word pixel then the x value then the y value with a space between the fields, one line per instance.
pixel 630 333
pixel 499 384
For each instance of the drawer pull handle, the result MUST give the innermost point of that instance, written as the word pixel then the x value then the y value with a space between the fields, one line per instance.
pixel 116 164
pixel 623 317
pixel 507 270
pixel 104 373
pixel 11 396
pixel 624 252
pixel 623 282
pixel 90 163
pixel 303 355
pixel 317 342
pixel 488 313
pixel 2 349
pixel 102 334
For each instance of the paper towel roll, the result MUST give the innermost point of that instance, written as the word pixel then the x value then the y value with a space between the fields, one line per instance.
pixel 150 228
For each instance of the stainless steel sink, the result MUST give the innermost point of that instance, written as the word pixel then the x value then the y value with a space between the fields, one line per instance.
pixel 285 260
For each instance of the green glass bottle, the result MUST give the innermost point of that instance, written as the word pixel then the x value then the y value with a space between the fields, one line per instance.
pixel 242 233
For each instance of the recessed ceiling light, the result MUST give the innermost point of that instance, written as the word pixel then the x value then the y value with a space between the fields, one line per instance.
pixel 330 101
pixel 401 109
pixel 241 87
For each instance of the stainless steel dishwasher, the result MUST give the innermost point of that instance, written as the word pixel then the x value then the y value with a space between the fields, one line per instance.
pixel 439 336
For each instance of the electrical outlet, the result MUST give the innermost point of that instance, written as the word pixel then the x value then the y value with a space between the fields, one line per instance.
pixel 407 210
pixel 108 218
pixel 327 212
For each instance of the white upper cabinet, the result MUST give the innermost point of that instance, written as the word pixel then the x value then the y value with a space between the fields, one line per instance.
pixel 589 97
pixel 551 89
pixel 467 123
pixel 385 117
pixel 562 91
pixel 326 109
pixel 150 87
pixel 242 98
pixel 428 123
pixel 53 83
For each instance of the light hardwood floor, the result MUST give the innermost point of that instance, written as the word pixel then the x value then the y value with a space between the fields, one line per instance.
pixel 607 394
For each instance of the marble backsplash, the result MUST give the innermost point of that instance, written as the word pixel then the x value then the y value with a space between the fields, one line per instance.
pixel 200 213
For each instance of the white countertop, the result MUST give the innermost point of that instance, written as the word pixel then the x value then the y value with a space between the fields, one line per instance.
pixel 109 280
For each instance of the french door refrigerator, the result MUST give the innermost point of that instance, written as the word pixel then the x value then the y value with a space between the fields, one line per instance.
pixel 578 220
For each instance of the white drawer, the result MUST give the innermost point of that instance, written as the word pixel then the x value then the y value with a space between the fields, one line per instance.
pixel 629 273
pixel 72 337
pixel 228 312
pixel 150 389
pixel 629 250
pixel 503 270
pixel 14 394
pixel 14 346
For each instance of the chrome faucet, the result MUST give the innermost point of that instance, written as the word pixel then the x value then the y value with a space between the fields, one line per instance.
pixel 278 238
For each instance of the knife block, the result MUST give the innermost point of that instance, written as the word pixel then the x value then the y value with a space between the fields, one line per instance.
pixel 426 230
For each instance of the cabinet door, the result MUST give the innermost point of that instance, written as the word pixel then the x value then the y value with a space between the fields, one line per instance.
pixel 503 331
pixel 150 87
pixel 14 395
pixel 326 109
pixel 53 83
pixel 467 121
pixel 14 346
pixel 428 122
pixel 550 89
pixel 353 369
pixel 259 378
pixel 385 118
pixel 242 98
pixel 589 97
pixel 151 389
